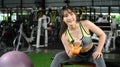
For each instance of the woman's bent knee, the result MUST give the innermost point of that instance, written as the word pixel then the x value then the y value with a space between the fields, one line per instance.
pixel 100 62
pixel 58 59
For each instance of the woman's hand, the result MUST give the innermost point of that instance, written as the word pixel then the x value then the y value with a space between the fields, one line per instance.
pixel 75 49
pixel 97 54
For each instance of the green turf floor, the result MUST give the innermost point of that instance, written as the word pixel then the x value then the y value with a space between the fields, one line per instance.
pixel 44 60
pixel 41 59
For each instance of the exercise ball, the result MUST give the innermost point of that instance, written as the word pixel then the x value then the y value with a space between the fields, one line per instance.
pixel 15 59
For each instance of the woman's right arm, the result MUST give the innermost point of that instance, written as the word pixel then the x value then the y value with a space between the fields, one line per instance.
pixel 66 45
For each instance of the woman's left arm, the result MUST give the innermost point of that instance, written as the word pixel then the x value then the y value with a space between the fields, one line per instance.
pixel 102 38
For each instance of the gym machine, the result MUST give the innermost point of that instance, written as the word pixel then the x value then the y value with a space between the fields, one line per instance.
pixel 42 22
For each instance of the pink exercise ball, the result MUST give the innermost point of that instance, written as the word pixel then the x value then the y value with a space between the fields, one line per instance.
pixel 15 59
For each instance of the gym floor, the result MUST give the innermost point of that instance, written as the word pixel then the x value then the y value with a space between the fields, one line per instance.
pixel 111 58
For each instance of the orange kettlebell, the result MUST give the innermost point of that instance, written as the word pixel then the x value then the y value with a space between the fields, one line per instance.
pixel 75 49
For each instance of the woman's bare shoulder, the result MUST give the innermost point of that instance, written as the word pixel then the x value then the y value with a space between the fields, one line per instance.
pixel 64 39
pixel 64 36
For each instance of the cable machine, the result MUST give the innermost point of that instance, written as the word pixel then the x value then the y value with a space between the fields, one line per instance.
pixel 42 21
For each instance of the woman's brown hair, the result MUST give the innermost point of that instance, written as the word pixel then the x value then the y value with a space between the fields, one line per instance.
pixel 63 24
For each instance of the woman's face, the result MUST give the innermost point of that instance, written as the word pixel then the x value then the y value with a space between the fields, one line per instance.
pixel 69 17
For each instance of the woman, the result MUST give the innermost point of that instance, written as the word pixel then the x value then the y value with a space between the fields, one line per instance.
pixel 74 34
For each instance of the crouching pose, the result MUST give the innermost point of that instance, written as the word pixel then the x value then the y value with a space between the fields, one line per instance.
pixel 77 41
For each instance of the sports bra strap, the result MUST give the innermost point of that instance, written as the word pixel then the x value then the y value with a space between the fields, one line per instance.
pixel 70 37
pixel 84 33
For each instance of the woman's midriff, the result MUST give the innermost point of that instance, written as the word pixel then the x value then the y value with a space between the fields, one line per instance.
pixel 87 48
